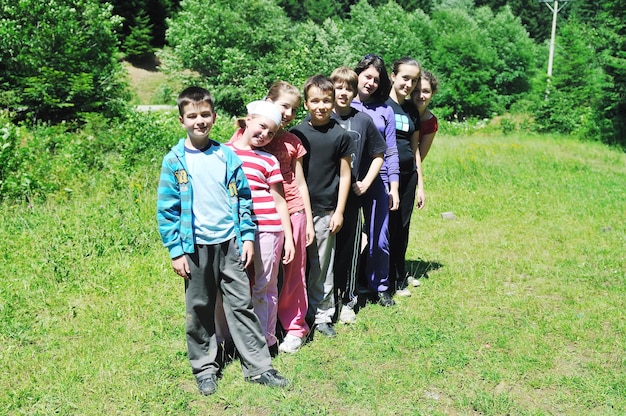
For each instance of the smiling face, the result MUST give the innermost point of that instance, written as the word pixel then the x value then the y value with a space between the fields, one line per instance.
pixel 344 94
pixel 319 103
pixel 422 95
pixel 288 105
pixel 404 81
pixel 197 120
pixel 259 131
pixel 369 80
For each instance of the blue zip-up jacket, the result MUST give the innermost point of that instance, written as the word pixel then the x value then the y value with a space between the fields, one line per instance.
pixel 175 197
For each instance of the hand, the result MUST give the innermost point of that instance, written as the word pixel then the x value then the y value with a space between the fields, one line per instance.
pixel 420 199
pixel 310 233
pixel 290 251
pixel 394 200
pixel 336 222
pixel 360 188
pixel 181 266
pixel 247 253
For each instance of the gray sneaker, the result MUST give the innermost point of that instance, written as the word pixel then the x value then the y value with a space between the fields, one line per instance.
pixel 326 329
pixel 270 378
pixel 384 299
pixel 207 385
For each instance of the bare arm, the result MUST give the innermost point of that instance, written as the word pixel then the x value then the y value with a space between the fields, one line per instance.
pixel 360 187
pixel 425 143
pixel 247 253
pixel 420 196
pixel 276 189
pixel 336 221
pixel 304 192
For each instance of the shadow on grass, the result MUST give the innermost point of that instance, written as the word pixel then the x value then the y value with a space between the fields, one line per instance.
pixel 420 268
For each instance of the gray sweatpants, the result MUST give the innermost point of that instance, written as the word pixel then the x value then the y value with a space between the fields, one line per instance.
pixel 320 279
pixel 213 267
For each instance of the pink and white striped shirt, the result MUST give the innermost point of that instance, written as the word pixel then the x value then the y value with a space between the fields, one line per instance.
pixel 262 170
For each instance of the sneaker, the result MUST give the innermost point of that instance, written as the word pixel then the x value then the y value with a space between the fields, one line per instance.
pixel 412 280
pixel 347 315
pixel 207 386
pixel 290 344
pixel 384 299
pixel 270 378
pixel 326 329
pixel 404 292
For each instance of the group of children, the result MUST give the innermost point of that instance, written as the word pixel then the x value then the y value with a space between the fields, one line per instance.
pixel 293 203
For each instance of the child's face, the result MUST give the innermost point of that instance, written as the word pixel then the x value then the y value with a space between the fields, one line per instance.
pixel 259 130
pixel 343 95
pixel 369 79
pixel 405 80
pixel 422 94
pixel 198 119
pixel 320 105
pixel 288 106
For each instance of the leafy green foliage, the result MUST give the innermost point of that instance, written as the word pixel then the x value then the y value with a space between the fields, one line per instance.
pixel 570 102
pixel 137 43
pixel 156 11
pixel 59 59
pixel 227 43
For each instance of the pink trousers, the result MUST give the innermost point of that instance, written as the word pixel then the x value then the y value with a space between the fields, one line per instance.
pixel 292 302
pixel 268 251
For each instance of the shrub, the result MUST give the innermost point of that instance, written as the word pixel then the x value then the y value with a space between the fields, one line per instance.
pixel 59 59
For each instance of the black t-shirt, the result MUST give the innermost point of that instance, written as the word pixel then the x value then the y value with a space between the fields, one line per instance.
pixel 326 146
pixel 366 140
pixel 407 123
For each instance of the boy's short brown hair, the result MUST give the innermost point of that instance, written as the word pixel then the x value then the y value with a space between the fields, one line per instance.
pixel 193 95
pixel 320 81
pixel 345 76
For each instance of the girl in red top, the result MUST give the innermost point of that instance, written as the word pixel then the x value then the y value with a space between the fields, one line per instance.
pixel 288 149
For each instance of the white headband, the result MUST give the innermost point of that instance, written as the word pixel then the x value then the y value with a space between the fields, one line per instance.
pixel 265 109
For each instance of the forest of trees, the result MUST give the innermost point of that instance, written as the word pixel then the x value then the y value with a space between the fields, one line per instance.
pixel 60 59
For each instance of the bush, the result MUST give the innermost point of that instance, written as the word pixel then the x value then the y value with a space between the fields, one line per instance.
pixel 59 59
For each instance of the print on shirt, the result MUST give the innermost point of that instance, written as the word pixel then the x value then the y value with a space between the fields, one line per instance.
pixel 402 122
pixel 356 138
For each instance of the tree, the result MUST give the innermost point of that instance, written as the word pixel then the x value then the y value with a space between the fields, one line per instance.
pixel 137 43
pixel 132 12
pixel 228 43
pixel 59 59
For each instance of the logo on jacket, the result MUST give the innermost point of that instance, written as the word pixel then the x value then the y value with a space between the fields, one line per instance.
pixel 181 176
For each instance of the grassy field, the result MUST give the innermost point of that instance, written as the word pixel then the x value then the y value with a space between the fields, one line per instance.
pixel 521 310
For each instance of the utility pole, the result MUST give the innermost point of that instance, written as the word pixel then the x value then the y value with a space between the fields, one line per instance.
pixel 555 10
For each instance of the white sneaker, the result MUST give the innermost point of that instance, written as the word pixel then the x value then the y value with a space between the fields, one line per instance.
pixel 290 344
pixel 403 292
pixel 347 315
pixel 413 281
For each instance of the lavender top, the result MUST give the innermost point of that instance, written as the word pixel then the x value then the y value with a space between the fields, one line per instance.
pixel 384 119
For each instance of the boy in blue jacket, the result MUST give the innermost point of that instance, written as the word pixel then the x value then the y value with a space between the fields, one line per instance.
pixel 204 215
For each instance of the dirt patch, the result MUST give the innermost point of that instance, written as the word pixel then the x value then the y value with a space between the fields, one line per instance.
pixel 144 83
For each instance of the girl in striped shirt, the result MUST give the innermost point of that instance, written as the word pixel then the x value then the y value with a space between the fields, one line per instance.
pixel 274 235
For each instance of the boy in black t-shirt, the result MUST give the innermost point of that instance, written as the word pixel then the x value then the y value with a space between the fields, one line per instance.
pixel 367 158
pixel 327 172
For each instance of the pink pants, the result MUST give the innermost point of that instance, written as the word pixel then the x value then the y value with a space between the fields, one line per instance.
pixel 293 302
pixel 268 250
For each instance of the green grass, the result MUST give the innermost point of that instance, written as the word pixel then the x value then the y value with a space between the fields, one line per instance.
pixel 522 311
